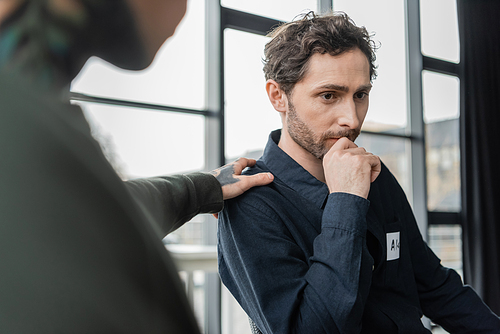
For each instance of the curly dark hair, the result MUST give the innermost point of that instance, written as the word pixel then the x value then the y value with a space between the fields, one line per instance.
pixel 293 43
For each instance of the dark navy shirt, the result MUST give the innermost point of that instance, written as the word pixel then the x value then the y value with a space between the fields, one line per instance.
pixel 301 260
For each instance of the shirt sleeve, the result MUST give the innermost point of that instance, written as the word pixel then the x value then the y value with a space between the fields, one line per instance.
pixel 174 200
pixel 281 290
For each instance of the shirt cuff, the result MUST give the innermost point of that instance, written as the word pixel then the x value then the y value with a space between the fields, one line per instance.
pixel 208 192
pixel 346 211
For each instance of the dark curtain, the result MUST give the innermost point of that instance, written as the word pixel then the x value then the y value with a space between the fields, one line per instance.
pixel 479 24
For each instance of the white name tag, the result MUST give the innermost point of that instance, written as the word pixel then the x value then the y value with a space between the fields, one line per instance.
pixel 393 246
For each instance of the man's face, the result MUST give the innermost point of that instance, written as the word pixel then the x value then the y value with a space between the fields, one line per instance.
pixel 330 102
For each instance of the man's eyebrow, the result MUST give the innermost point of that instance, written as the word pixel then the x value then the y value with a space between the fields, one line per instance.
pixel 344 88
pixel 365 87
pixel 334 87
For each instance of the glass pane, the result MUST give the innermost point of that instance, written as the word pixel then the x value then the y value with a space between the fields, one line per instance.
pixel 388 100
pixel 441 111
pixel 142 143
pixel 176 77
pixel 284 10
pixel 233 319
pixel 197 279
pixel 446 242
pixel 188 234
pixel 250 116
pixel 439 29
pixel 441 96
pixel 394 154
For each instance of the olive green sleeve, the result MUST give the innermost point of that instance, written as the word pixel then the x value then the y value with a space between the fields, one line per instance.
pixel 174 200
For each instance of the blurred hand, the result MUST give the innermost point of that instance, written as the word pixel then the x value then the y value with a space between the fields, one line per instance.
pixel 233 183
pixel 350 169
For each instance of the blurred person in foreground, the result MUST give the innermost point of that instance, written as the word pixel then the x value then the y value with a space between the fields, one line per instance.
pixel 332 246
pixel 81 250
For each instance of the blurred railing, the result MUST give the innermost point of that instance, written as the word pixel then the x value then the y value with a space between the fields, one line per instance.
pixel 191 258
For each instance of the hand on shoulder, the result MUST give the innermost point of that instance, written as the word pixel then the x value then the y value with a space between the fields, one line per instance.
pixel 233 183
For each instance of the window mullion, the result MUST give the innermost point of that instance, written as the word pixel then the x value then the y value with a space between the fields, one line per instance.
pixel 415 116
pixel 214 149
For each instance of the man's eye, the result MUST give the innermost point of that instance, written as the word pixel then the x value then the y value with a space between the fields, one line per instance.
pixel 328 96
pixel 361 95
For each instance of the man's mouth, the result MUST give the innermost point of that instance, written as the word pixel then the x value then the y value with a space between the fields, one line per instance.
pixel 350 134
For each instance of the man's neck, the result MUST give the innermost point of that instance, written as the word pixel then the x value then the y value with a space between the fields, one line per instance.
pixel 308 161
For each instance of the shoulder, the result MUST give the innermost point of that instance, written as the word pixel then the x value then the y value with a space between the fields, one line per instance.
pixel 268 201
pixel 385 176
pixel 259 215
pixel 387 189
pixel 272 192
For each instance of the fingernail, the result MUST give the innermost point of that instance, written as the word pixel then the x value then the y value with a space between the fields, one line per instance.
pixel 269 175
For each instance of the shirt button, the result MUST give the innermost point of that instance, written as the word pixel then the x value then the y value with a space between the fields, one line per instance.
pixel 373 267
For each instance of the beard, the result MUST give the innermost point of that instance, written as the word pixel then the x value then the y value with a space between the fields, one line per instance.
pixel 306 138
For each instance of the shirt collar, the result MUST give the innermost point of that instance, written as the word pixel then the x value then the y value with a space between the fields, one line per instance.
pixel 291 173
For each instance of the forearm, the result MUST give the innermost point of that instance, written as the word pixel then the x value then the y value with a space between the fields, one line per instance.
pixel 457 308
pixel 443 297
pixel 342 265
pixel 461 310
pixel 336 295
pixel 174 200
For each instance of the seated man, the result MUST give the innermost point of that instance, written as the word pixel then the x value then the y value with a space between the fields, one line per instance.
pixel 332 245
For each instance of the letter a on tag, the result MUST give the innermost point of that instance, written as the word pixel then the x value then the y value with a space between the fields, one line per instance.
pixel 393 246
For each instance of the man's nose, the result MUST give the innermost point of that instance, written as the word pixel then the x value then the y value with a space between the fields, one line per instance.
pixel 348 117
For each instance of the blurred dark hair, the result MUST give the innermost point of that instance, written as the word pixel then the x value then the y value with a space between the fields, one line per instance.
pixel 49 45
pixel 293 43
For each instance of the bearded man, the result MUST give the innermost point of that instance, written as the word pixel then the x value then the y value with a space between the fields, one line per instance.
pixel 332 245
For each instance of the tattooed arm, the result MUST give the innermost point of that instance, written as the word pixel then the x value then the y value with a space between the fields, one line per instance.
pixel 233 183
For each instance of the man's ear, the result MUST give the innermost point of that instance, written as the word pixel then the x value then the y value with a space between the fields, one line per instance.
pixel 276 96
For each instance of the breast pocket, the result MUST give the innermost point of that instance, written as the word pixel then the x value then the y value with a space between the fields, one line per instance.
pixel 393 252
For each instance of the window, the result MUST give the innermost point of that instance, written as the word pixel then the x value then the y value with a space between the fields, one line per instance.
pixel 182 57
pixel 441 106
pixel 441 116
pixel 249 117
pixel 439 29
pixel 441 113
pixel 139 142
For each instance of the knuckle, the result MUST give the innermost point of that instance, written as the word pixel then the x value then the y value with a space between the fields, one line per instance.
pixel 359 159
pixel 337 154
